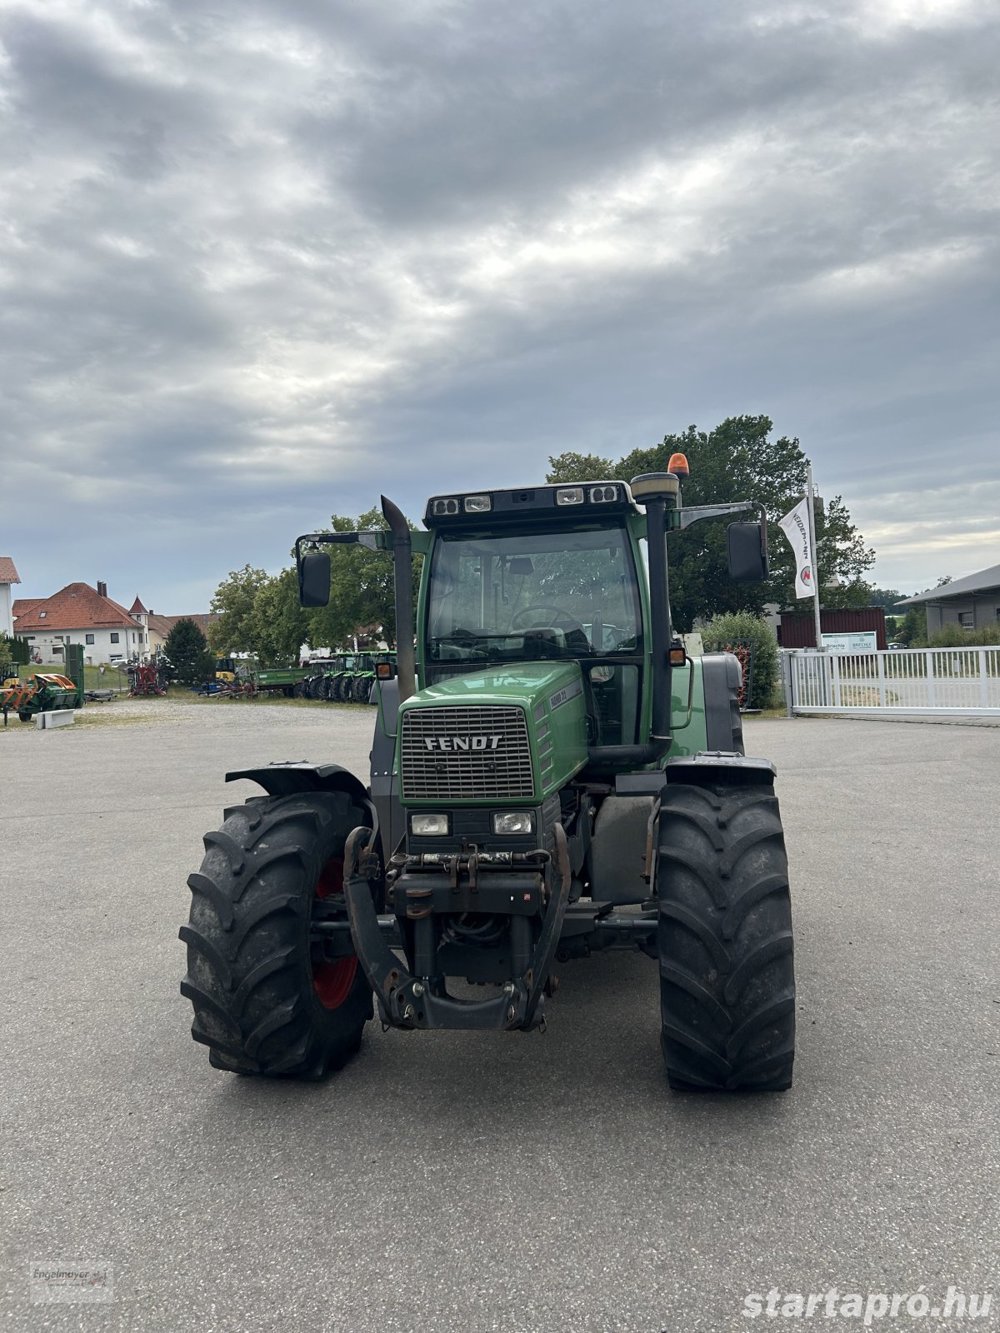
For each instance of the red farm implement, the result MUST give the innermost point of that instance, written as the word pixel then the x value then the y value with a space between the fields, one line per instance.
pixel 145 681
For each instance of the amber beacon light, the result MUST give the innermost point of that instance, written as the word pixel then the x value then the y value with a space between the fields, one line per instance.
pixel 678 465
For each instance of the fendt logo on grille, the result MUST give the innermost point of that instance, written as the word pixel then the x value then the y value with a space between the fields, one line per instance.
pixel 452 743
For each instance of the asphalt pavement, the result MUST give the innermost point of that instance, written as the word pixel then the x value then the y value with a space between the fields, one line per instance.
pixel 464 1181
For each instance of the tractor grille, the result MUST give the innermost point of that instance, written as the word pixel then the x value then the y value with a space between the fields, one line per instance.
pixel 465 754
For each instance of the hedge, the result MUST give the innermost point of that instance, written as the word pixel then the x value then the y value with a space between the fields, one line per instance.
pixel 743 629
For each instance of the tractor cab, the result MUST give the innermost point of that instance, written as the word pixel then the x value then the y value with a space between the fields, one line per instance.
pixel 541 577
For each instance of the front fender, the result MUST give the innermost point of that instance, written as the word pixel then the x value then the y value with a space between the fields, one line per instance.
pixel 720 766
pixel 289 778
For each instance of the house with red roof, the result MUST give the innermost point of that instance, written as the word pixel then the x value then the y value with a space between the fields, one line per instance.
pixel 79 613
pixel 8 577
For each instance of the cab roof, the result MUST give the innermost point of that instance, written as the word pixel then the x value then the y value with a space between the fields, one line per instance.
pixel 588 500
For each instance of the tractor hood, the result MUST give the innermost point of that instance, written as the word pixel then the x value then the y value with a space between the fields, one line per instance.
pixel 503 734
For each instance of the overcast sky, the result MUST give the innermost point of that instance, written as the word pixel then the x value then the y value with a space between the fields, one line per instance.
pixel 260 261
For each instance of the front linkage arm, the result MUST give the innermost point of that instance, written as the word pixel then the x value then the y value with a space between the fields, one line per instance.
pixel 408 1001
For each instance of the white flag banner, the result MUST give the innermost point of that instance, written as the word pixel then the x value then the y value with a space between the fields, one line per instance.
pixel 795 526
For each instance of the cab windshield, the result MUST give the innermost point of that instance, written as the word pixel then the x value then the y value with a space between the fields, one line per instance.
pixel 532 596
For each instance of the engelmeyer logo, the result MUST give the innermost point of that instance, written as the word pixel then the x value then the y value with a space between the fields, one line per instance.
pixel 453 743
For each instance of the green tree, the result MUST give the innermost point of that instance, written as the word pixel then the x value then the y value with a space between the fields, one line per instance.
pixel 233 602
pixel 912 628
pixel 889 598
pixel 187 651
pixel 841 557
pixel 14 651
pixel 738 460
pixel 278 626
pixel 362 591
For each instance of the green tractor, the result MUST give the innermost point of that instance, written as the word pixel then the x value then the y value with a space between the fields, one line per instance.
pixel 338 678
pixel 551 775
pixel 365 675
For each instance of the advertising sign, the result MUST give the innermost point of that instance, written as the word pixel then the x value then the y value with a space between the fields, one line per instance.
pixel 863 641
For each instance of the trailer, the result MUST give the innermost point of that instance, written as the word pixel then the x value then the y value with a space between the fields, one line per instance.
pixel 279 680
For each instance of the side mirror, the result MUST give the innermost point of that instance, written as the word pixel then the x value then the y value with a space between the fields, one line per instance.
pixel 314 578
pixel 747 551
pixel 314 565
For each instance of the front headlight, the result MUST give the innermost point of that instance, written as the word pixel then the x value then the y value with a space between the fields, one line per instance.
pixel 429 826
pixel 514 821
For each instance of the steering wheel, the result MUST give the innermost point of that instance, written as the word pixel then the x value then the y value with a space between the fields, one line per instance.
pixel 575 635
pixel 555 616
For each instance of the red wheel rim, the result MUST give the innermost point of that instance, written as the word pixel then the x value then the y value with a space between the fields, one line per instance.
pixel 332 980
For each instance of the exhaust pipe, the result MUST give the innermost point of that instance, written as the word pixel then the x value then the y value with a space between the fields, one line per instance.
pixel 402 567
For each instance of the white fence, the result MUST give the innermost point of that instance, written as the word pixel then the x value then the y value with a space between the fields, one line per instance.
pixel 910 680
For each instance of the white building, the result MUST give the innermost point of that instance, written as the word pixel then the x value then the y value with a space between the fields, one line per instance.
pixel 8 577
pixel 79 613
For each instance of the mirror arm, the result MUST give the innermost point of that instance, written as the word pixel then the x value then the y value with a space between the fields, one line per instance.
pixel 695 514
pixel 369 539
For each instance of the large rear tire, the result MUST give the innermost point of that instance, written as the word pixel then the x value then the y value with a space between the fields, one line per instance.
pixel 267 999
pixel 724 935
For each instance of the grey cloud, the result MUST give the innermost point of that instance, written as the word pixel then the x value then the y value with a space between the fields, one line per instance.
pixel 258 260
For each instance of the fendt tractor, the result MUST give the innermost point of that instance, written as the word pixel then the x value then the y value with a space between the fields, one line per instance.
pixel 551 775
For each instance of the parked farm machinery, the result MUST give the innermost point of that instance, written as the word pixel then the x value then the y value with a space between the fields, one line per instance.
pixel 344 678
pixel 43 693
pixel 248 680
pixel 147 680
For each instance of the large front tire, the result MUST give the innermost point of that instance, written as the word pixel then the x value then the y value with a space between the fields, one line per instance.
pixel 268 999
pixel 724 935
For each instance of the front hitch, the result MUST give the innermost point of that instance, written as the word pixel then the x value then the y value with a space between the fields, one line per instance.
pixel 409 1001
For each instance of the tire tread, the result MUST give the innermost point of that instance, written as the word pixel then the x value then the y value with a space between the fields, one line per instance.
pixel 725 939
pixel 249 976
